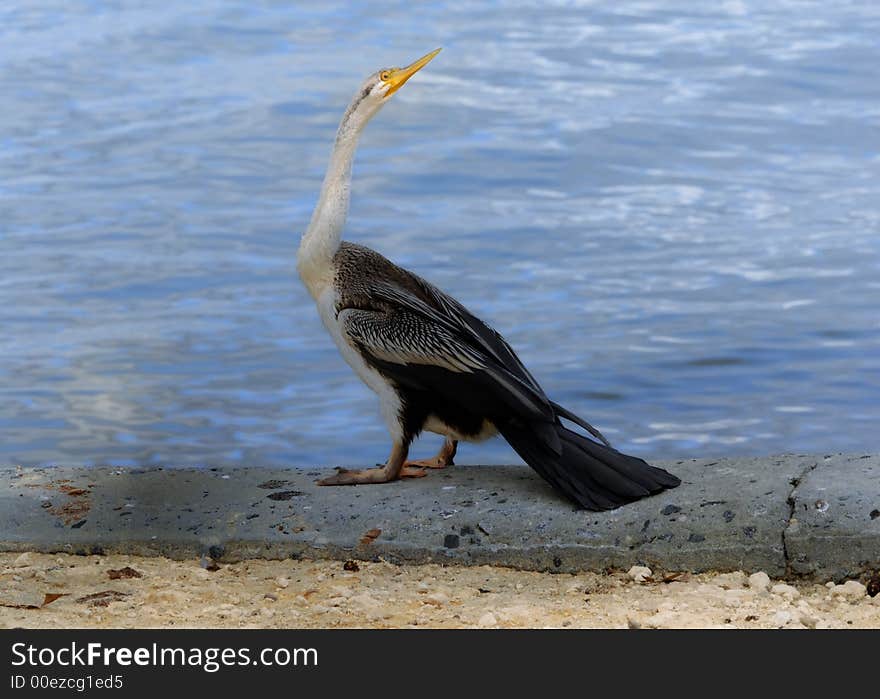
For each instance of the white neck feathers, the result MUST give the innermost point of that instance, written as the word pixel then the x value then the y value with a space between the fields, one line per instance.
pixel 322 237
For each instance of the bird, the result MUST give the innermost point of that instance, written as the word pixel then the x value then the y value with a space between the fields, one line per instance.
pixel 434 365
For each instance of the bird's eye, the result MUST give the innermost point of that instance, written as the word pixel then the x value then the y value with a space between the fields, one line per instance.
pixel 384 75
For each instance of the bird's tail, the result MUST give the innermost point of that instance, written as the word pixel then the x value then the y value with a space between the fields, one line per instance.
pixel 594 476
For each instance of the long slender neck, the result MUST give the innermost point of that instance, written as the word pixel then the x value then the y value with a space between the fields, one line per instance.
pixel 323 235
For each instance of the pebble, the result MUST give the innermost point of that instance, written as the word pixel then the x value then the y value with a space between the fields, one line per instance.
pixel 851 590
pixel 282 582
pixel 731 581
pixel 365 601
pixel 488 619
pixel 167 596
pixel 661 620
pixel 759 582
pixel 23 561
pixel 807 619
pixel 787 591
pixel 640 574
pixel 436 599
pixel 736 598
pixel 781 618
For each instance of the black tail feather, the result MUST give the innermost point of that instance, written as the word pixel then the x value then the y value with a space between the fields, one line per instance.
pixel 568 415
pixel 594 476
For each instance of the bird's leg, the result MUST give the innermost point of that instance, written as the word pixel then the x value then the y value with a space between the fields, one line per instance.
pixel 443 459
pixel 396 467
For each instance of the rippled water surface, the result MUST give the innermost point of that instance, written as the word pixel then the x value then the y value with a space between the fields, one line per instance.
pixel 670 209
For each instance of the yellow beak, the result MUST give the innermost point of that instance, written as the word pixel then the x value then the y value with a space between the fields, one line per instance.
pixel 399 76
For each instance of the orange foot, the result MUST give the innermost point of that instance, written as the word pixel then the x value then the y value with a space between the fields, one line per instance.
pixel 344 476
pixel 444 458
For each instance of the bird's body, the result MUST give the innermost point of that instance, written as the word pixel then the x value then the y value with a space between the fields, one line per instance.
pixel 364 316
pixel 434 365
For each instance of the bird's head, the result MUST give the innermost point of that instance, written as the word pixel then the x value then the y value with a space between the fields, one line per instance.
pixel 377 89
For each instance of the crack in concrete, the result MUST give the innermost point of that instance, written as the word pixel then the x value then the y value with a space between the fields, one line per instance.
pixel 791 500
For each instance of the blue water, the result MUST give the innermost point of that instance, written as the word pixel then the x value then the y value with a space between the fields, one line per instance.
pixel 670 209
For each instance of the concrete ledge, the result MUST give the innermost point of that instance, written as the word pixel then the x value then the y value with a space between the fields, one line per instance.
pixel 786 515
pixel 834 530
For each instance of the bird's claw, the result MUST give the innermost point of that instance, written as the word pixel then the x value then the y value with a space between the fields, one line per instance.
pixel 345 476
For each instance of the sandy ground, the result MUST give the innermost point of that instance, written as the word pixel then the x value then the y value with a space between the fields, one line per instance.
pixel 47 591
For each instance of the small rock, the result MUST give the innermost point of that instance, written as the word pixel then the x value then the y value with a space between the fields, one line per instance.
pixel 663 619
pixel 23 561
pixel 736 598
pixel 787 591
pixel 209 564
pixel 807 619
pixel 123 573
pixel 365 601
pixel 168 595
pixel 730 581
pixel 282 582
pixel 436 599
pixel 340 591
pixel 781 618
pixel 851 590
pixel 759 582
pixel 640 574
pixel 488 619
pixel 271 597
pixel 103 598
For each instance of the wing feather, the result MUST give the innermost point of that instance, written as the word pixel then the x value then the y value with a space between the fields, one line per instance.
pixel 408 346
pixel 403 337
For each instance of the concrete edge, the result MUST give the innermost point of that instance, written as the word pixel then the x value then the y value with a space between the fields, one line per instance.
pixel 794 516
